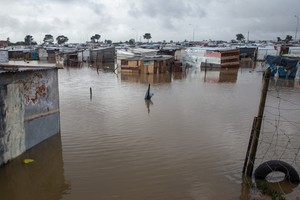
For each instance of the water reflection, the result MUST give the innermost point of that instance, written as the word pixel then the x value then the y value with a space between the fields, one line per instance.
pixel 221 75
pixel 281 82
pixel 148 103
pixel 147 78
pixel 43 179
pixel 245 188
pixel 191 146
pixel 103 66
pixel 179 75
pixel 297 83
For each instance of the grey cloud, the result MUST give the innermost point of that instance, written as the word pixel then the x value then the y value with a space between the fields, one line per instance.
pixel 215 19
pixel 167 8
pixel 98 8
pixel 8 21
pixel 167 13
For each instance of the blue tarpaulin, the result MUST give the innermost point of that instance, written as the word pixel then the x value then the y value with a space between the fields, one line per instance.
pixel 286 66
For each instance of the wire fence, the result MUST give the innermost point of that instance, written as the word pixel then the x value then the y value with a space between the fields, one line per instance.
pixel 280 133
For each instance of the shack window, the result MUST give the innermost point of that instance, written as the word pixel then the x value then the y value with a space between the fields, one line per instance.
pixel 124 62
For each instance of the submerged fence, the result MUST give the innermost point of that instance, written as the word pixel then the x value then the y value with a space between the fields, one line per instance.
pixel 277 145
pixel 280 131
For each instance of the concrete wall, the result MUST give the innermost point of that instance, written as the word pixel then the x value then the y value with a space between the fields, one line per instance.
pixel 29 110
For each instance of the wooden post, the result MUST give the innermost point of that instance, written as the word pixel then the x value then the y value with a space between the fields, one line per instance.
pixel 91 94
pixel 249 145
pixel 205 70
pixel 253 149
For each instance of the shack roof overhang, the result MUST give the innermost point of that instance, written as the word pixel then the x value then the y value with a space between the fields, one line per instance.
pixel 150 58
pixel 21 50
pixel 103 48
pixel 20 66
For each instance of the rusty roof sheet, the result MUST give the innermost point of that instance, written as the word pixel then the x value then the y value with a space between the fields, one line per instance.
pixel 21 66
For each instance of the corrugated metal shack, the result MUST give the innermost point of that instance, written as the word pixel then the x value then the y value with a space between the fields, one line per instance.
pixel 73 58
pixel 172 51
pixel 29 106
pixel 51 55
pixel 224 58
pixel 263 51
pixel 103 54
pixel 148 65
pixel 23 54
pixel 176 53
pixel 248 56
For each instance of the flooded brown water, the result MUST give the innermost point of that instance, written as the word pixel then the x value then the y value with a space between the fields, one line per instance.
pixel 189 142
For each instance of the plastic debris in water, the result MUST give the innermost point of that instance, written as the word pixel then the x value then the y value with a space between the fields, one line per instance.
pixel 27 161
pixel 148 95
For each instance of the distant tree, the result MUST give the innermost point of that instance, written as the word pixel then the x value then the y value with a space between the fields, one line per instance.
pixel 108 42
pixel 61 39
pixel 48 39
pixel 288 38
pixel 171 41
pixel 131 41
pixel 8 41
pixel 240 37
pixel 233 41
pixel 20 43
pixel 97 37
pixel 147 36
pixel 278 39
pixel 93 40
pixel 28 40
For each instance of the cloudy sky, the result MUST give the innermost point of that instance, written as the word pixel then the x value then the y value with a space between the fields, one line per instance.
pixel 121 20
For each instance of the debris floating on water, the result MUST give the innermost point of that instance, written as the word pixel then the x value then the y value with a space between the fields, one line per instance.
pixel 28 160
pixel 148 95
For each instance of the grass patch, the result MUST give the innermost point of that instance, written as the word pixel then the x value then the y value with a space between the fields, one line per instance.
pixel 265 189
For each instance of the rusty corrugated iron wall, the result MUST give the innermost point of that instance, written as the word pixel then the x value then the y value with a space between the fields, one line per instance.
pixel 29 110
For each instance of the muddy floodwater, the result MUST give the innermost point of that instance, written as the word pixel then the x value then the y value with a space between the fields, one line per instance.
pixel 189 142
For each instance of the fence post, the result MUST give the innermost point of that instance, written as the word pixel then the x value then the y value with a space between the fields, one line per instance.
pixel 249 145
pixel 257 126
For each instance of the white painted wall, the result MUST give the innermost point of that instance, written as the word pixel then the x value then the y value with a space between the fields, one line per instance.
pixel 14 137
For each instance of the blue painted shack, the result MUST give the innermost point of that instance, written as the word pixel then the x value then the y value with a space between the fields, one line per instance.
pixel 29 106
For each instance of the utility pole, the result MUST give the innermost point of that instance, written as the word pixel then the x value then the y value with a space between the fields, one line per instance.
pixel 296 27
pixel 248 37
pixel 193 31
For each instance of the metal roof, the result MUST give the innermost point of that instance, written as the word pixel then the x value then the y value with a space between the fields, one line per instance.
pixel 103 48
pixel 150 58
pixel 21 66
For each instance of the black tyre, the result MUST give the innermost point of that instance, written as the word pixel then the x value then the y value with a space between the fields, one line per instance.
pixel 266 168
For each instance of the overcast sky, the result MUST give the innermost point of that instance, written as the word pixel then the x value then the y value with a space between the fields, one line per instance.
pixel 121 20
